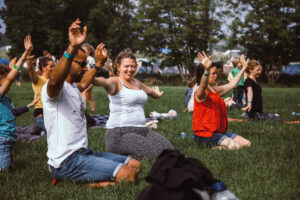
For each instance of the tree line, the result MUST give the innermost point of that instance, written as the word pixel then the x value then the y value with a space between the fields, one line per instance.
pixel 269 31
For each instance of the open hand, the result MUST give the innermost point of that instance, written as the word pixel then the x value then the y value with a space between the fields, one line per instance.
pixel 247 108
pixel 37 97
pixel 243 62
pixel 157 91
pixel 204 60
pixel 100 55
pixel 28 47
pixel 76 38
pixel 12 63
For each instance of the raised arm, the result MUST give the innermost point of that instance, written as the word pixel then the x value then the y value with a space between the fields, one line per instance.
pixel 31 71
pixel 206 62
pixel 15 68
pixel 223 89
pixel 139 65
pixel 101 56
pixel 62 69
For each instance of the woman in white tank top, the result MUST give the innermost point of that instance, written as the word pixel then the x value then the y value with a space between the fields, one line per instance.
pixel 126 132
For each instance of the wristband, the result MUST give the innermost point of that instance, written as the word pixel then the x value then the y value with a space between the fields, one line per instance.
pixel 206 74
pixel 17 68
pixel 249 101
pixel 96 67
pixel 68 56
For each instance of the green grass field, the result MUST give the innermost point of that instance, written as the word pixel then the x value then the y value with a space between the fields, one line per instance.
pixel 267 170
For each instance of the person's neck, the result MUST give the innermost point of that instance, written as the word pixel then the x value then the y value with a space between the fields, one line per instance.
pixel 45 75
pixel 69 80
pixel 252 77
pixel 127 81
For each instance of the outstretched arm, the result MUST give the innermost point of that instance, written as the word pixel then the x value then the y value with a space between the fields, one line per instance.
pixel 109 84
pixel 31 71
pixel 206 62
pixel 153 92
pixel 101 56
pixel 23 109
pixel 15 68
pixel 62 69
pixel 223 89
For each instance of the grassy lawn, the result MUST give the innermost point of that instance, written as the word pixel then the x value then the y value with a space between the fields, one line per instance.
pixel 267 170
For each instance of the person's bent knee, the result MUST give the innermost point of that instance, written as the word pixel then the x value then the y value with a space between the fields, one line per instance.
pixel 247 144
pixel 126 173
pixel 242 141
pixel 135 165
pixel 230 144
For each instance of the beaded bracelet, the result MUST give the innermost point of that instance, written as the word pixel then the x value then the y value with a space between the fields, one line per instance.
pixel 17 68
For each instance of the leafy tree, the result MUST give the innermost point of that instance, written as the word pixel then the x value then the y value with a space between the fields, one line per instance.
pixel 270 30
pixel 47 21
pixel 109 21
pixel 184 26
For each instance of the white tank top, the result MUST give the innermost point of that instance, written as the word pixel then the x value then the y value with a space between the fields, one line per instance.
pixel 126 108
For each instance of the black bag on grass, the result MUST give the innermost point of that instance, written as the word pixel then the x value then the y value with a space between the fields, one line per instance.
pixel 174 177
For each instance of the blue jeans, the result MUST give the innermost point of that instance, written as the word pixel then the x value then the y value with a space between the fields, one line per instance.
pixel 216 139
pixel 86 166
pixel 39 122
pixel 6 146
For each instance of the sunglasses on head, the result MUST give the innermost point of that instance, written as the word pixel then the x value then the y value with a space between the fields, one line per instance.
pixel 81 63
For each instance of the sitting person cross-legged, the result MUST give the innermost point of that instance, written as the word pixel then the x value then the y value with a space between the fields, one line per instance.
pixel 210 115
pixel 254 108
pixel 126 131
pixel 65 122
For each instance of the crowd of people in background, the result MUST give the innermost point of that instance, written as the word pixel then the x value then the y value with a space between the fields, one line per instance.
pixel 62 89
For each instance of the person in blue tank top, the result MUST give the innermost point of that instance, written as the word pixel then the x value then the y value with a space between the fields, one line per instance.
pixel 8 133
pixel 126 132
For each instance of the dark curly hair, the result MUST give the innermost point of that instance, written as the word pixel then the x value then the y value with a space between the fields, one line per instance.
pixel 4 70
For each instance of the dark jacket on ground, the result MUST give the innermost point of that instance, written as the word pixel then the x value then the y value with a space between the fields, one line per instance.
pixel 173 177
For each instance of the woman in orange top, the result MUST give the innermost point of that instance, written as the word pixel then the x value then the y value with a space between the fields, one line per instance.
pixel 210 115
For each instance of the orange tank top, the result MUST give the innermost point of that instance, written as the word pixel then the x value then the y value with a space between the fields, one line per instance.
pixel 210 116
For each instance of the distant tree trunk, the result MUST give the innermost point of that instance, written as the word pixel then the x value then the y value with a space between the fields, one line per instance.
pixel 183 75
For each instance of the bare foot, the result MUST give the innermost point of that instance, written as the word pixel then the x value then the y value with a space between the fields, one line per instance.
pixel 100 184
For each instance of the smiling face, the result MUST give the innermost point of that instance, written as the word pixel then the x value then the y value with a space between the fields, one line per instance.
pixel 48 68
pixel 127 68
pixel 256 71
pixel 213 75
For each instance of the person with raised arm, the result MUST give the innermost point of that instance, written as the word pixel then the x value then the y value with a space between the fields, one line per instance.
pixel 8 132
pixel 46 65
pixel 126 131
pixel 64 113
pixel 210 116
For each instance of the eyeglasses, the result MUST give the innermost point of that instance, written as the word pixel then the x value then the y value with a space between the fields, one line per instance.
pixel 81 63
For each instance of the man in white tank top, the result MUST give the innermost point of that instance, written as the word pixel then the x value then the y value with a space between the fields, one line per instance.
pixel 64 109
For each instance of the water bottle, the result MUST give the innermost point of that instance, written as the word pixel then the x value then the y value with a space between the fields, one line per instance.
pixel 183 135
pixel 220 192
